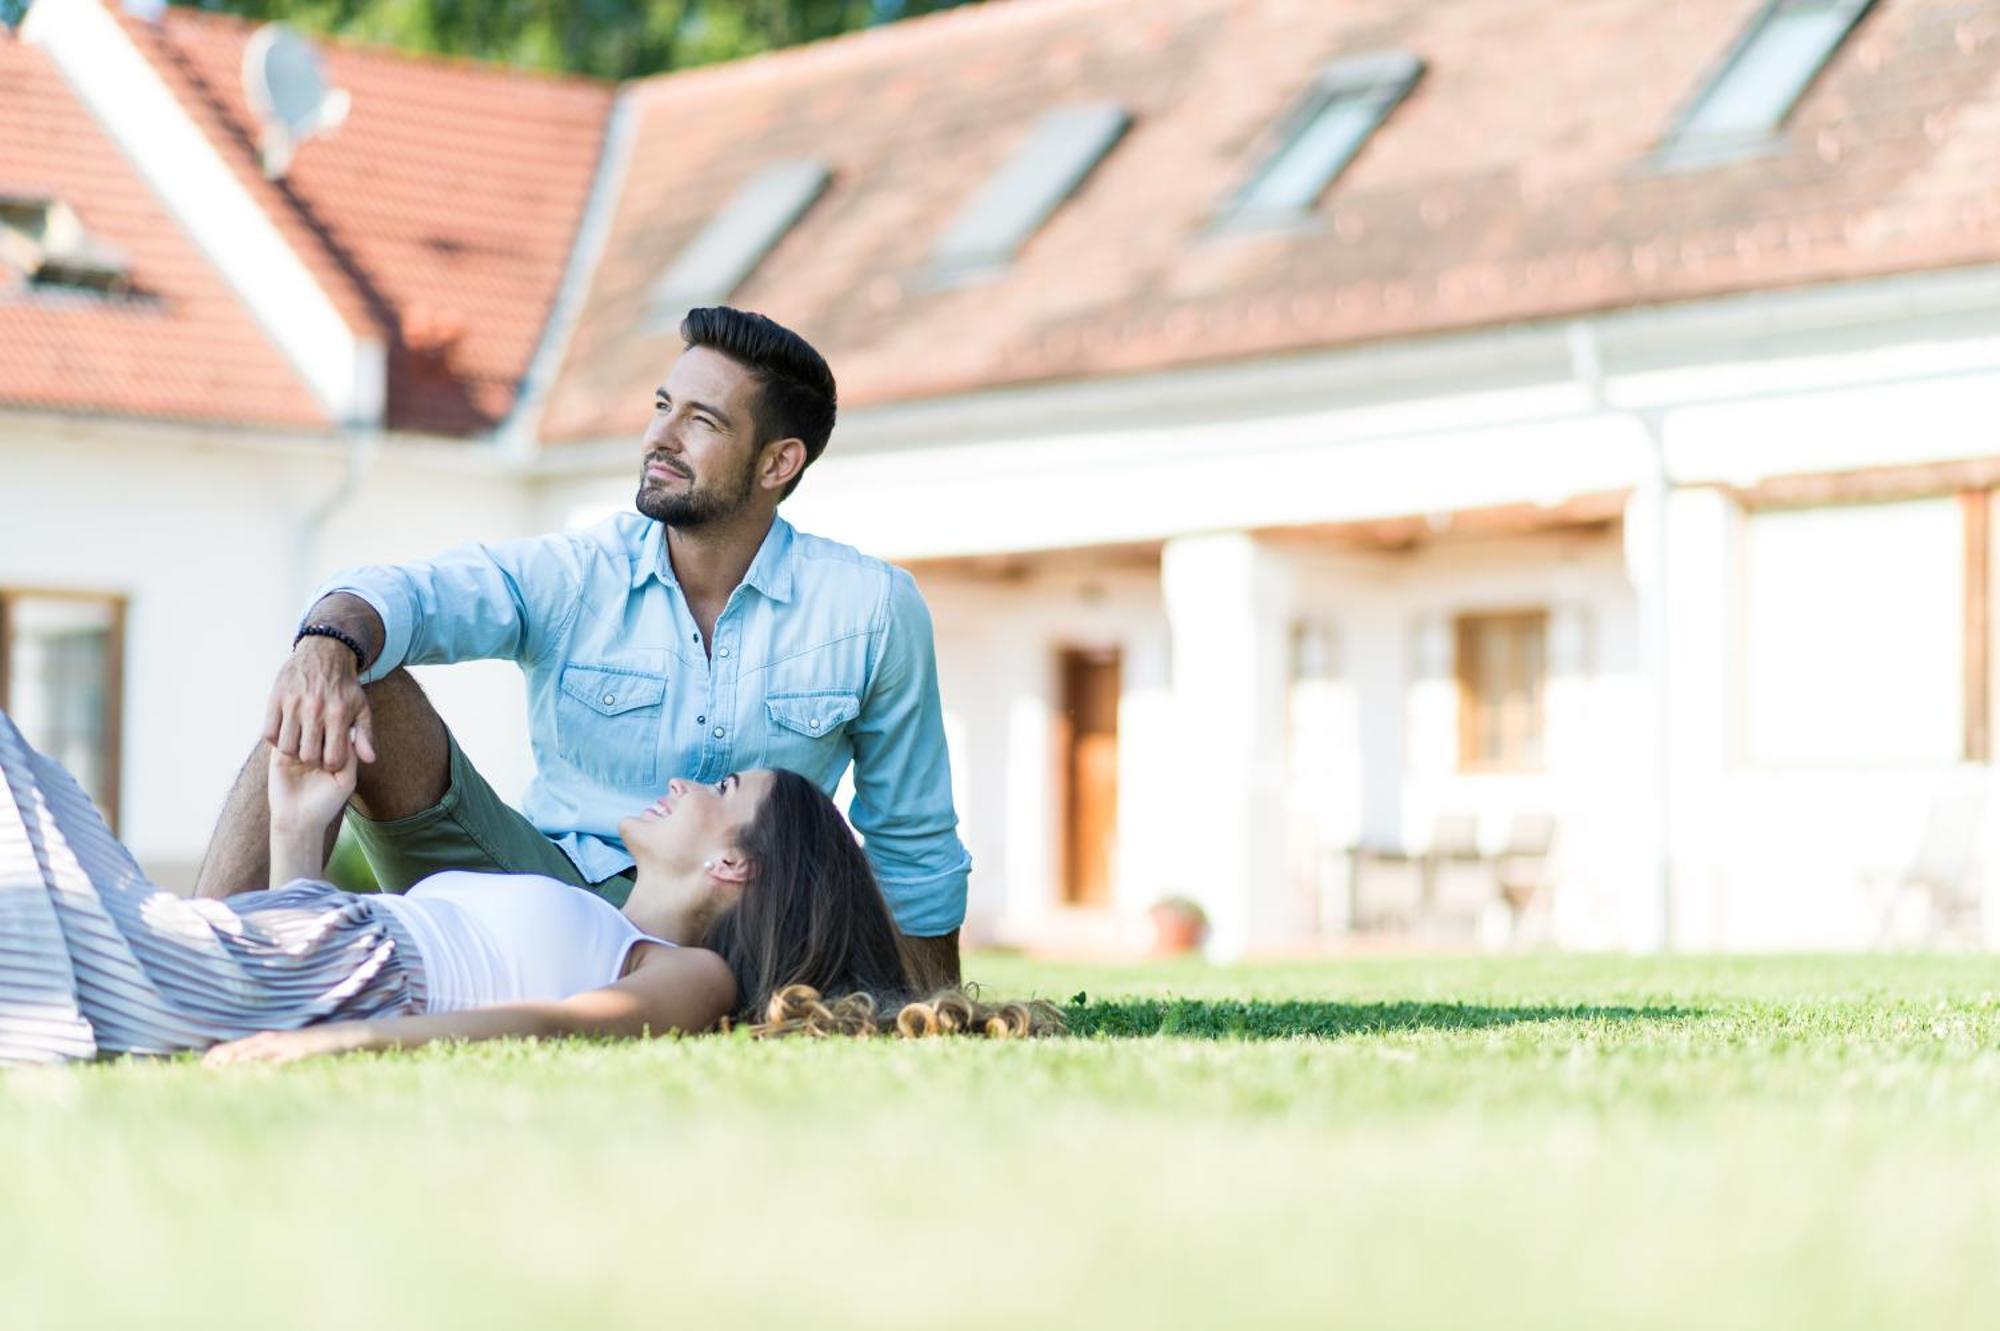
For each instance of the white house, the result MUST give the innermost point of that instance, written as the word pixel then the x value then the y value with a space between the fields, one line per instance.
pixel 1318 439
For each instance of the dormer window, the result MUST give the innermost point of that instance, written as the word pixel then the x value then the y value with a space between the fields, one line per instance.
pixel 44 245
pixel 1061 151
pixel 1320 134
pixel 736 239
pixel 1763 78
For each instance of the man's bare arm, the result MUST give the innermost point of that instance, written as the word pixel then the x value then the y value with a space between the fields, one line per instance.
pixel 317 699
pixel 354 617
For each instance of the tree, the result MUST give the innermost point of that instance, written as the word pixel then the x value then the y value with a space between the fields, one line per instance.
pixel 607 38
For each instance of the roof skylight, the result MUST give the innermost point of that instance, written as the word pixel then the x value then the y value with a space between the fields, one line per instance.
pixel 1060 153
pixel 44 241
pixel 1321 133
pixel 1763 76
pixel 736 239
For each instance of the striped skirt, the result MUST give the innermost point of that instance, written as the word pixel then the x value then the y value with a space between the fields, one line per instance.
pixel 96 960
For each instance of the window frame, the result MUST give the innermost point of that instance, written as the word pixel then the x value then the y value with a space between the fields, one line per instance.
pixel 1678 148
pixel 1384 78
pixel 111 754
pixel 975 247
pixel 736 239
pixel 1465 626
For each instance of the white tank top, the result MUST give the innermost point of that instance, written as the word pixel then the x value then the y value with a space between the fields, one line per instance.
pixel 490 938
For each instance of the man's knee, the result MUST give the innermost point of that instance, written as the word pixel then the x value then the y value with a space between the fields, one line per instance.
pixel 398 698
pixel 412 767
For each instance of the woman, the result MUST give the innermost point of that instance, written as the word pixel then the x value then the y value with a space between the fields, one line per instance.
pixel 751 899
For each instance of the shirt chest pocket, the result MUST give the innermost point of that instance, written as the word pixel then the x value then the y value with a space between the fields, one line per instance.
pixel 608 723
pixel 805 729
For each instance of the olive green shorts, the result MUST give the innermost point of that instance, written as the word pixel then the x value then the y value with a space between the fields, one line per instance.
pixel 470 828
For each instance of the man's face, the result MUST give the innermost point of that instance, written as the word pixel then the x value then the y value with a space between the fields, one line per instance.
pixel 701 447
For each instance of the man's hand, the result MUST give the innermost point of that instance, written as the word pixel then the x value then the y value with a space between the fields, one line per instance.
pixel 316 704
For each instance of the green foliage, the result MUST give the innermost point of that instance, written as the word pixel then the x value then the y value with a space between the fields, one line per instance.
pixel 1470 1142
pixel 606 38
pixel 348 868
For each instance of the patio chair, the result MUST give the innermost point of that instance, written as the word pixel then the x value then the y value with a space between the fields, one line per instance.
pixel 1386 890
pixel 1392 887
pixel 1523 872
pixel 1459 890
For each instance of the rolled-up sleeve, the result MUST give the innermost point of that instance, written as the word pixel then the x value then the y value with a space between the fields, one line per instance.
pixel 902 774
pixel 510 600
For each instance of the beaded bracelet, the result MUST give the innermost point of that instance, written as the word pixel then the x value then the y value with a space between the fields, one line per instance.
pixel 340 636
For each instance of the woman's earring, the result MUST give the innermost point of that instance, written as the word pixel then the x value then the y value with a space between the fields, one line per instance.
pixel 708 865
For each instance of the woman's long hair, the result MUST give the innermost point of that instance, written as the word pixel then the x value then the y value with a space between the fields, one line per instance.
pixel 801 1010
pixel 813 947
pixel 812 914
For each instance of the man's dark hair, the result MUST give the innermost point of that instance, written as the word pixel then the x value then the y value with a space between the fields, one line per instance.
pixel 795 391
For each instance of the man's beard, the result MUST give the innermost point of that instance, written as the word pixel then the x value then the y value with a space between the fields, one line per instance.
pixel 699 504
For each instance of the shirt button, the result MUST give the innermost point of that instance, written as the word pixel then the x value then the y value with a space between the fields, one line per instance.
pixel 814 723
pixel 701 720
pixel 610 698
pixel 723 652
pixel 718 732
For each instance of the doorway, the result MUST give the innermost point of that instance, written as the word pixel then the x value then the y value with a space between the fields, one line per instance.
pixel 1087 745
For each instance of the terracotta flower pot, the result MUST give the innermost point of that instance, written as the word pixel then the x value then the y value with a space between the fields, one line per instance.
pixel 1178 927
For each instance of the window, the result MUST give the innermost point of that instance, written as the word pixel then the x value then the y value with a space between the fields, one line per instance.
pixel 1763 76
pixel 1854 626
pixel 1320 135
pixel 735 241
pixel 1063 149
pixel 61 668
pixel 1315 650
pixel 43 241
pixel 1502 671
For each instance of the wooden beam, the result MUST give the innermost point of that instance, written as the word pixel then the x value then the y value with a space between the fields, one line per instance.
pixel 1585 512
pixel 113 752
pixel 1874 486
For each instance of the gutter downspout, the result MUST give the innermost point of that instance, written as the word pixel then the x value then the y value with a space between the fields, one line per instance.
pixel 358 460
pixel 1654 489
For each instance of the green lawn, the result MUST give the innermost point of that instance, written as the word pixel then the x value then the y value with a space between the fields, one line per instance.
pixel 1535 1142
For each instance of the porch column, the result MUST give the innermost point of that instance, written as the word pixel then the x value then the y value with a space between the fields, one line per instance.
pixel 1704 544
pixel 1227 600
pixel 1683 550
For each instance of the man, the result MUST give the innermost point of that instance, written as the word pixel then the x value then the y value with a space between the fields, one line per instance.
pixel 699 636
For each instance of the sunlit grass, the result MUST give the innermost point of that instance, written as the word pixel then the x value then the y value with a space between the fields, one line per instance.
pixel 1518 1142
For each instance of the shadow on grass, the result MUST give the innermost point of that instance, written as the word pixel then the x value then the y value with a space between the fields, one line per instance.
pixel 1202 1019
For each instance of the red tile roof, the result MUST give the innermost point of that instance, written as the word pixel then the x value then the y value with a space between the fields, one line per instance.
pixel 187 349
pixel 439 217
pixel 1517 182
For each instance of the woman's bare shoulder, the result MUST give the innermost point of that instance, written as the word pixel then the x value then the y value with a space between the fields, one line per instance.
pixel 695 969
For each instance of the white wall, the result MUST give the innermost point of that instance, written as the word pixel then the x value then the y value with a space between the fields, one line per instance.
pixel 1653 770
pixel 1396 695
pixel 1385 728
pixel 1838 713
pixel 203 537
pixel 1208 464
pixel 998 641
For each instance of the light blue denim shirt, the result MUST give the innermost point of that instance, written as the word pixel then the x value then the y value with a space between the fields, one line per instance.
pixel 822 657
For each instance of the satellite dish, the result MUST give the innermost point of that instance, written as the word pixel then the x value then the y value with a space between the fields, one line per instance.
pixel 287 92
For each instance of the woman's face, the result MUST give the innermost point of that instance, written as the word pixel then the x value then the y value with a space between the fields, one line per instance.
pixel 692 824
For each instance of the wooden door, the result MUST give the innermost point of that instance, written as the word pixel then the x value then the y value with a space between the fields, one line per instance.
pixel 1091 683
